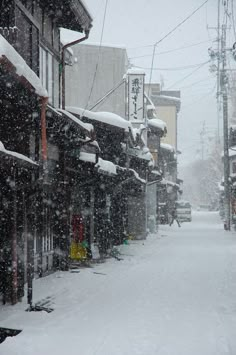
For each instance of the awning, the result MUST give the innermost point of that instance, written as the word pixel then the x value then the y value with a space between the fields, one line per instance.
pixel 71 14
pixel 170 183
pixel 17 158
pixel 106 167
pixel 157 124
pixel 154 176
pixel 107 118
pixel 167 147
pixel 14 63
pixel 88 157
pixel 87 127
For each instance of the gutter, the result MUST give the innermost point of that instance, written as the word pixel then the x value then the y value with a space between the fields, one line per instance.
pixel 63 93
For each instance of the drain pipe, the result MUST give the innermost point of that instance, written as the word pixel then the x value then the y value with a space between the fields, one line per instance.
pixel 63 65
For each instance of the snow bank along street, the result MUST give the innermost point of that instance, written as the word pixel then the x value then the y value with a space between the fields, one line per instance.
pixel 171 294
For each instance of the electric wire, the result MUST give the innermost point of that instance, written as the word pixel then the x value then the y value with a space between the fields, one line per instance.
pixel 98 59
pixel 170 50
pixel 233 18
pixel 195 83
pixel 172 68
pixel 201 98
pixel 187 76
pixel 168 34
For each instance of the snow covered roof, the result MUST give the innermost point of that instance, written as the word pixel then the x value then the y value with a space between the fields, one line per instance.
pixel 87 126
pixel 106 166
pixel 157 123
pixel 143 153
pixel 7 52
pixel 135 174
pixel 156 172
pixel 168 147
pixel 169 183
pixel 88 157
pixel 16 155
pixel 172 98
pixel 232 152
pixel 51 108
pixel 106 45
pixel 104 117
pixel 135 71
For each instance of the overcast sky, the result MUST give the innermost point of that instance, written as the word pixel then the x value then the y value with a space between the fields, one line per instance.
pixel 138 24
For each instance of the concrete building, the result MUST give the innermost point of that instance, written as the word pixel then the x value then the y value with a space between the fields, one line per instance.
pixel 88 80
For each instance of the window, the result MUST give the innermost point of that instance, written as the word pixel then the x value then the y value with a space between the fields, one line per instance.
pixel 46 71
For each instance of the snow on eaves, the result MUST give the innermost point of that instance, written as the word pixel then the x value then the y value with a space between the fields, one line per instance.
pixel 104 117
pixel 106 167
pixel 87 126
pixel 16 155
pixel 232 152
pixel 136 175
pixel 135 71
pixel 141 153
pixel 22 69
pixel 168 147
pixel 169 183
pixel 173 98
pixel 87 157
pixel 157 123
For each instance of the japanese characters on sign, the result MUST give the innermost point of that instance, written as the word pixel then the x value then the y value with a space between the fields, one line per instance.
pixel 136 97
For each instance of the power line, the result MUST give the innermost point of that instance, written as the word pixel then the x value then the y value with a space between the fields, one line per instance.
pixel 169 33
pixel 187 76
pixel 233 19
pixel 200 98
pixel 171 50
pixel 171 68
pixel 99 53
pixel 195 83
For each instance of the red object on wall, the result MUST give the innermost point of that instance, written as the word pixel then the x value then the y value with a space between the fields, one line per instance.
pixel 78 228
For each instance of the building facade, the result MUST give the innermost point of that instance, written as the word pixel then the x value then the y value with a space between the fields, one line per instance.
pixel 95 81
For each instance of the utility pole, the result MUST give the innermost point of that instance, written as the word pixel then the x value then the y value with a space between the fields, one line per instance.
pixel 223 84
pixel 218 73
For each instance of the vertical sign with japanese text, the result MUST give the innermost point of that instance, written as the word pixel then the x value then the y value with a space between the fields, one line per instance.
pixel 136 96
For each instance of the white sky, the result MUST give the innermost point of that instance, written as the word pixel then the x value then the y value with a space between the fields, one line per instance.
pixel 137 24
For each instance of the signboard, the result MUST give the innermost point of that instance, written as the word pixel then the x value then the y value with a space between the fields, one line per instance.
pixel 136 97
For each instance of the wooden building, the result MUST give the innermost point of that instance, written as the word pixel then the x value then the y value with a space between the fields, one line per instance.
pixel 29 50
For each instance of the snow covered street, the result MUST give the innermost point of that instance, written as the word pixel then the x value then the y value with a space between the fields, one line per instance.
pixel 172 294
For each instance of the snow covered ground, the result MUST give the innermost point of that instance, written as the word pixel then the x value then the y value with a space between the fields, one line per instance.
pixel 173 294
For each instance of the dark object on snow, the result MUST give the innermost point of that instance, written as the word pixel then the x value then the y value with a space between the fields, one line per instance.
pixel 6 332
pixel 36 308
pixel 43 305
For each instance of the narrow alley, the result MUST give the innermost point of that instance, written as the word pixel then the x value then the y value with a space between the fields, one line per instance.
pixel 173 293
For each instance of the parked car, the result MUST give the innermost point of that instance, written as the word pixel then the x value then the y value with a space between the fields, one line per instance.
pixel 183 211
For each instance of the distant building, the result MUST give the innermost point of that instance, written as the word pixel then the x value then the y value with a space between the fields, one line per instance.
pixel 89 80
pixel 167 104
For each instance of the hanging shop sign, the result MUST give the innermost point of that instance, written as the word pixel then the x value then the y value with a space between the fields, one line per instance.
pixel 135 96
